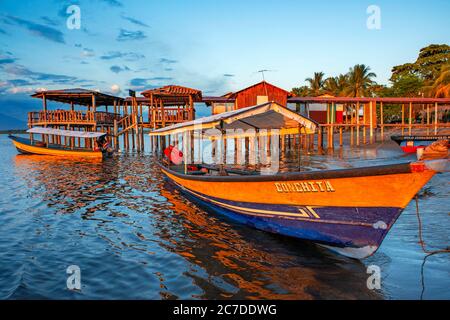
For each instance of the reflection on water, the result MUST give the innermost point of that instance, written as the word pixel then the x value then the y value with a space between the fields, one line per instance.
pixel 134 236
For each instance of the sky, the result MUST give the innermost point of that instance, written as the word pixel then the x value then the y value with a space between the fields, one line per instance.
pixel 214 46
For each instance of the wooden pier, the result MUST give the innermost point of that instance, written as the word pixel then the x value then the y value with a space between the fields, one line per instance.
pixel 364 118
pixel 126 119
pixel 121 118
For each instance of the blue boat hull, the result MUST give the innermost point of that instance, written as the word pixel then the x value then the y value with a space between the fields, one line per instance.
pixel 356 232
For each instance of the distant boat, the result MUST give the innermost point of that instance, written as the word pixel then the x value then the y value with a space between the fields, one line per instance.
pixel 349 211
pixel 410 144
pixel 33 146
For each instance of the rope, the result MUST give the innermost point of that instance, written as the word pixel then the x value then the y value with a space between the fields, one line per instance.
pixel 421 241
pixel 428 253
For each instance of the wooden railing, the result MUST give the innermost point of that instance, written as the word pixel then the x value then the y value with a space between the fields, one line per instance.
pixel 71 117
pixel 170 115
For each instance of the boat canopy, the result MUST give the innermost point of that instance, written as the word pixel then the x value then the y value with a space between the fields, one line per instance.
pixel 269 115
pixel 66 133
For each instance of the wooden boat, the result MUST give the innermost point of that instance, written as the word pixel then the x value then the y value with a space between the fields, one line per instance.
pixel 32 146
pixel 410 144
pixel 349 211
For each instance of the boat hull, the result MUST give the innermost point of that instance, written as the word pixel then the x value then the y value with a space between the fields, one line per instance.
pixel 410 144
pixel 349 218
pixel 24 146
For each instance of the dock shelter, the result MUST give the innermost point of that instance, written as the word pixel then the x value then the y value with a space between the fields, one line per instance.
pixel 259 128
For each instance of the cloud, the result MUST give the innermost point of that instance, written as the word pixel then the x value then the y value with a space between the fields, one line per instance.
pixel 19 70
pixel 168 61
pixel 141 83
pixel 135 21
pixel 228 75
pixel 113 3
pixel 128 56
pixel 127 35
pixel 6 60
pixel 161 78
pixel 19 82
pixel 117 69
pixel 115 88
pixel 37 29
pixel 49 21
pixel 16 90
pixel 87 52
pixel 138 82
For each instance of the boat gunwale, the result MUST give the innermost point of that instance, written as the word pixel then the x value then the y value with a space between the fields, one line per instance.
pixel 51 147
pixel 400 168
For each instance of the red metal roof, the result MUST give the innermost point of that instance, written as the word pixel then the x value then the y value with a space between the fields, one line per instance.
pixel 233 95
pixel 173 90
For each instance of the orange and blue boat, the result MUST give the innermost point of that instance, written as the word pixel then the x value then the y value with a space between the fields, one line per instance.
pixel 349 211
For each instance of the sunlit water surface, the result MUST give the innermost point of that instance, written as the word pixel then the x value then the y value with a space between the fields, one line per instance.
pixel 135 238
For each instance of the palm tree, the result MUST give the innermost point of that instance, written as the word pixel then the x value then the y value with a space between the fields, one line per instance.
pixel 441 86
pixel 336 85
pixel 316 84
pixel 359 81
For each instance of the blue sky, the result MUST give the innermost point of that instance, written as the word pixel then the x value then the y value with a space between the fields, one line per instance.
pixel 215 46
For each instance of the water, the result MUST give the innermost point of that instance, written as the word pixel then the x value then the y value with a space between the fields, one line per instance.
pixel 135 238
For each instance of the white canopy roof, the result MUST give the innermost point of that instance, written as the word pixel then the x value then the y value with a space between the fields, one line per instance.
pixel 269 115
pixel 66 133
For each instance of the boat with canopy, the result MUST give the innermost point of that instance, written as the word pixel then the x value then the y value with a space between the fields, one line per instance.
pixel 410 144
pixel 100 147
pixel 349 211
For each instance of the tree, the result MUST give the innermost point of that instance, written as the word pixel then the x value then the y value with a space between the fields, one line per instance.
pixel 336 85
pixel 409 85
pixel 316 84
pixel 302 91
pixel 441 86
pixel 359 81
pixel 428 65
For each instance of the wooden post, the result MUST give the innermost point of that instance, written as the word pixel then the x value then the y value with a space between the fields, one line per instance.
pixel 357 123
pixel 116 131
pixel 403 119
pixel 364 122
pixel 410 119
pixel 371 108
pixel 138 135
pixel 382 120
pixel 247 150
pixel 320 138
pixel 163 116
pixel 435 118
pixel 341 143
pixel 352 142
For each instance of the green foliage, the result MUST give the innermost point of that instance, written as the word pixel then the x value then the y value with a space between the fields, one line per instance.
pixel 359 81
pixel 316 84
pixel 428 64
pixel 302 91
pixel 409 85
